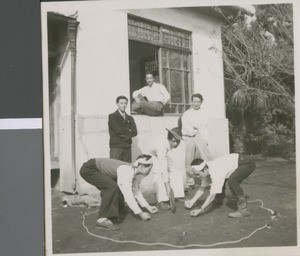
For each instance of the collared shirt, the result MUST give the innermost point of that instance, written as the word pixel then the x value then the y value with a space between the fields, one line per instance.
pixel 124 174
pixel 122 114
pixel 193 122
pixel 220 169
pixel 160 149
pixel 155 92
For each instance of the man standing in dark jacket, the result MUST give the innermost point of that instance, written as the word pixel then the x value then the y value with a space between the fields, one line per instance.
pixel 122 129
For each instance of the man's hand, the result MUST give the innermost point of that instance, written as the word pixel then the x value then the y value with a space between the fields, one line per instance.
pixel 195 212
pixel 152 209
pixel 188 204
pixel 145 216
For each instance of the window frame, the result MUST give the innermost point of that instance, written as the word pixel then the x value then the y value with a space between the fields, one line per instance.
pixel 163 46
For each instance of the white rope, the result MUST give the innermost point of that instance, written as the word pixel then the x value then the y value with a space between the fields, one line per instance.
pixel 181 246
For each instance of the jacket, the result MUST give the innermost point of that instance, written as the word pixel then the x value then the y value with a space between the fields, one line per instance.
pixel 121 131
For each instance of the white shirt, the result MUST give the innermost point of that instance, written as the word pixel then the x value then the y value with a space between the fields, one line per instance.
pixel 160 149
pixel 194 121
pixel 129 187
pixel 220 169
pixel 155 92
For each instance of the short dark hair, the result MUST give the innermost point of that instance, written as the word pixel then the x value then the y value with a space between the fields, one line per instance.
pixel 149 73
pixel 197 161
pixel 122 97
pixel 197 95
pixel 147 157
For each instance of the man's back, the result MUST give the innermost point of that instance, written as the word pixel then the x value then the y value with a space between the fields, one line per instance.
pixel 110 166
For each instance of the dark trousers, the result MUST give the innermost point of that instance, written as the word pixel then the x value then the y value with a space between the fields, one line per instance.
pixel 123 154
pixel 245 168
pixel 111 197
pixel 150 108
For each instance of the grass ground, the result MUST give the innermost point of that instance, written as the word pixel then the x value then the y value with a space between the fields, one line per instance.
pixel 274 182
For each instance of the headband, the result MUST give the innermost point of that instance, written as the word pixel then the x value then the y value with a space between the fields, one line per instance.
pixel 201 166
pixel 143 161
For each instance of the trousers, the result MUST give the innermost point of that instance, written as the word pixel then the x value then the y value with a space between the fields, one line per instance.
pixel 150 108
pixel 112 199
pixel 196 145
pixel 245 168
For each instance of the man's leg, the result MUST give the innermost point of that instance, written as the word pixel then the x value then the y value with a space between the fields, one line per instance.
pixel 127 155
pixel 176 182
pixel 160 191
pixel 190 154
pixel 234 182
pixel 107 186
pixel 116 153
pixel 220 197
pixel 151 108
pixel 135 108
pixel 203 148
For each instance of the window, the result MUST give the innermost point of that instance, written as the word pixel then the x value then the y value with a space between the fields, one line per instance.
pixel 166 51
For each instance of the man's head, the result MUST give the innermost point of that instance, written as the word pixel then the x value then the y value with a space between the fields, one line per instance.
pixel 143 164
pixel 199 168
pixel 174 137
pixel 149 79
pixel 122 102
pixel 197 100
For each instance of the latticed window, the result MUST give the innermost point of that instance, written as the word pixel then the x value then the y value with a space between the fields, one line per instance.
pixel 174 62
pixel 175 70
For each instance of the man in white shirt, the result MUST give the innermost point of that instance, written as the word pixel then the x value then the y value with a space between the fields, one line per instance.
pixel 151 99
pixel 166 175
pixel 195 133
pixel 225 168
pixel 118 181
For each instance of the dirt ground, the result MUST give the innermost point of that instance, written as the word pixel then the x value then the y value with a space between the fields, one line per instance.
pixel 274 182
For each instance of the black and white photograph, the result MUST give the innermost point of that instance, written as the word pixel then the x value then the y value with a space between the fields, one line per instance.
pixel 169 127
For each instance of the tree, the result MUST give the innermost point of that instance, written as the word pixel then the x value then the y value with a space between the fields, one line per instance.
pixel 259 72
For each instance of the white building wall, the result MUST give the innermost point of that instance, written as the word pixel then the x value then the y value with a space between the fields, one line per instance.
pixel 102 74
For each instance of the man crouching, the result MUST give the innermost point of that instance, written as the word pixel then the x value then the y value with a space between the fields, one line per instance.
pixel 118 181
pixel 216 172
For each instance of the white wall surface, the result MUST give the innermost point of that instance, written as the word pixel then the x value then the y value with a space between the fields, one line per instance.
pixel 102 73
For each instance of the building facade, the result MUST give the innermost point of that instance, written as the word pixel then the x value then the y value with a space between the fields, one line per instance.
pixel 95 55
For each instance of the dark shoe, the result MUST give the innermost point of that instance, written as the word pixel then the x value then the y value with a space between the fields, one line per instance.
pixel 163 206
pixel 240 213
pixel 107 225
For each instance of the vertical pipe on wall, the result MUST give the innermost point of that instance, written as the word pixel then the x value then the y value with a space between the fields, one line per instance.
pixel 72 33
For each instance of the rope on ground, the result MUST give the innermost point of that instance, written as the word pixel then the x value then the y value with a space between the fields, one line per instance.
pixel 181 246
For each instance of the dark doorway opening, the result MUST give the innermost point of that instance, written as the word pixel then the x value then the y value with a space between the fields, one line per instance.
pixel 143 58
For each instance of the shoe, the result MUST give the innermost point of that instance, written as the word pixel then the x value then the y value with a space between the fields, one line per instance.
pixel 163 206
pixel 106 224
pixel 240 213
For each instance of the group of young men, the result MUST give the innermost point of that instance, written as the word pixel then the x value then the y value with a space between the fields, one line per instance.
pixel 119 180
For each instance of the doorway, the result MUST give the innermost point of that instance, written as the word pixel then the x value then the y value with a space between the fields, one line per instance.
pixel 143 58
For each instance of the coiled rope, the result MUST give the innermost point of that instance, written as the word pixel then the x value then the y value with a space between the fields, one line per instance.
pixel 273 213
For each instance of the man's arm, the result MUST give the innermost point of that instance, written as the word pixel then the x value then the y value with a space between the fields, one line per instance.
pixel 125 185
pixel 162 159
pixel 137 92
pixel 189 204
pixel 133 128
pixel 205 205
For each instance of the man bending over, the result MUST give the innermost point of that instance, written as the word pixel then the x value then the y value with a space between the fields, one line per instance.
pixel 222 169
pixel 118 181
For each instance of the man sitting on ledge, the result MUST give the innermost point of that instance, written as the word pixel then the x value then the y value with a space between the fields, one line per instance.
pixel 151 99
